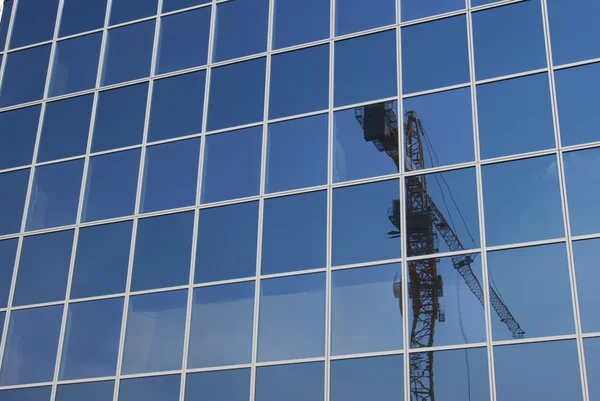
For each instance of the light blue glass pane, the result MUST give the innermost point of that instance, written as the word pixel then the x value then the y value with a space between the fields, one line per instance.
pixel 297 153
pixel 129 10
pixel 303 247
pixel 171 5
pixel 13 188
pixel 177 105
pixel 224 385
pixel 75 64
pixel 24 76
pixel 163 250
pixel 82 15
pixel 300 21
pixel 415 9
pixel 292 318
pixel 43 268
pixel 365 68
pixel 31 345
pixel 581 171
pixel 222 324
pixel 8 252
pixel 154 336
pixel 66 128
pixel 18 129
pixel 92 339
pixel 157 388
pixel 94 391
pixel 34 22
pixel 232 165
pixel 586 269
pixel 27 394
pixel 592 358
pixel 4 21
pixel 97 270
pixel 55 195
pixel 183 41
pixel 167 184
pixel 354 15
pixel 220 230
pixel 298 382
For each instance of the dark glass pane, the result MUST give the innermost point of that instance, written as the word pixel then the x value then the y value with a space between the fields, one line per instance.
pixel 168 184
pixel 222 322
pixel 4 20
pixel 522 201
pixel 592 359
pixel 303 73
pixel 220 230
pixel 120 117
pixel 582 189
pixel 80 16
pixel 414 9
pixel 75 65
pixel 18 129
pixel 66 128
pixel 171 5
pixel 302 248
pixel 13 188
pixel 8 252
pixel 129 10
pixel 24 76
pixel 297 153
pixel 111 185
pixel 292 317
pixel 435 54
pixel 232 165
pixel 157 388
pixel 34 22
pixel 361 223
pixel 43 268
pixel 92 339
pixel 587 273
pixel 27 394
pixel 154 336
pixel 299 382
pixel 99 271
pixel 163 250
pixel 94 391
pixel 300 21
pixel 354 15
pixel 177 105
pixel 365 68
pixel 237 93
pixel 30 353
pixel 224 385
pixel 183 41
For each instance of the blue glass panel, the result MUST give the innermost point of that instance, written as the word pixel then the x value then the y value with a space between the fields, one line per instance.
pixel 43 268
pixel 4 20
pixel 55 195
pixel 163 250
pixel 292 317
pixel 129 10
pixel 8 252
pixel 304 246
pixel 592 359
pixel 18 129
pixel 34 22
pixel 354 15
pixel 92 339
pixel 154 336
pixel 177 105
pixel 435 54
pixel 75 64
pixel 305 73
pixel 13 189
pixel 27 394
pixel 80 16
pixel 300 21
pixel 237 93
pixel 31 345
pixel 183 41
pixel 120 117
pixel 241 29
pixel 166 184
pixel 25 76
pixel 581 174
pixel 222 323
pixel 365 68
pixel 220 230
pixel 414 9
pixel 66 128
pixel 232 165
pixel 157 388
pixel 586 269
pixel 94 391
pixel 171 5
pixel 97 271
pixel 224 385
pixel 298 382
pixel 297 153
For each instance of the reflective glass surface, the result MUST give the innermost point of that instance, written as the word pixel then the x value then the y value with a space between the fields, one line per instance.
pixel 34 22
pixel 13 188
pixel 18 129
pixel 80 16
pixel 414 9
pixel 24 76
pixel 157 388
pixel 299 382
pixel 582 190
pixel 223 385
pixel 8 251
pixel 592 359
pixel 27 394
pixel 4 20
pixel 171 5
pixel 586 270
pixel 300 21
pixel 129 10
pixel 93 391
pixel 353 15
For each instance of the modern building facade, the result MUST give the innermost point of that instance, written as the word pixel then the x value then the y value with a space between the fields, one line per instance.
pixel 299 200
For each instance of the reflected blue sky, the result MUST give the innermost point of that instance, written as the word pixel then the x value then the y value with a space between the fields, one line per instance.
pixel 27 394
pixel 129 10
pixel 171 5
pixel 8 251
pixel 158 388
pixel 224 385
pixel 300 21
pixel 582 182
pixel 413 9
pixel 592 359
pixel 94 391
pixel 24 76
pixel 5 18
pixel 348 19
pixel 79 16
pixel 34 22
pixel 17 150
pixel 586 270
pixel 299 382
pixel 75 64
pixel 13 188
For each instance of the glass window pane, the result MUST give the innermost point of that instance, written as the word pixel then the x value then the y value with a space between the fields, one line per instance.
pixel 241 29
pixel 94 391
pixel 366 315
pixel 24 76
pixel 129 10
pixel 75 64
pixel 157 388
pixel 592 359
pixel 183 41
pixel 4 21
pixel 177 105
pixel 8 252
pixel 111 185
pixel 365 141
pixel 435 54
pixel 163 250
pixel 232 165
pixel 292 318
pixel 349 19
pixel 66 128
pixel 27 394
pixel 223 385
pixel 520 43
pixel 362 230
pixel 538 371
pixel 154 336
pixel 55 195
pixel 120 117
pixel 298 382
pixel 415 9
pixel 34 22
pixel 97 271
pixel 302 248
pixel 31 345
pixel 171 5
pixel 80 16
pixel 92 339
pixel 365 68
pixel 297 153
pixel 587 273
pixel 13 189
pixel 300 21
pixel 167 184
pixel 303 73
pixel 18 129
pixel 522 201
pixel 222 322
pixel 128 53
pixel 220 230
pixel 239 88
pixel 582 189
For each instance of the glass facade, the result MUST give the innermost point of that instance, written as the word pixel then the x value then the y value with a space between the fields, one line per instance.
pixel 338 200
